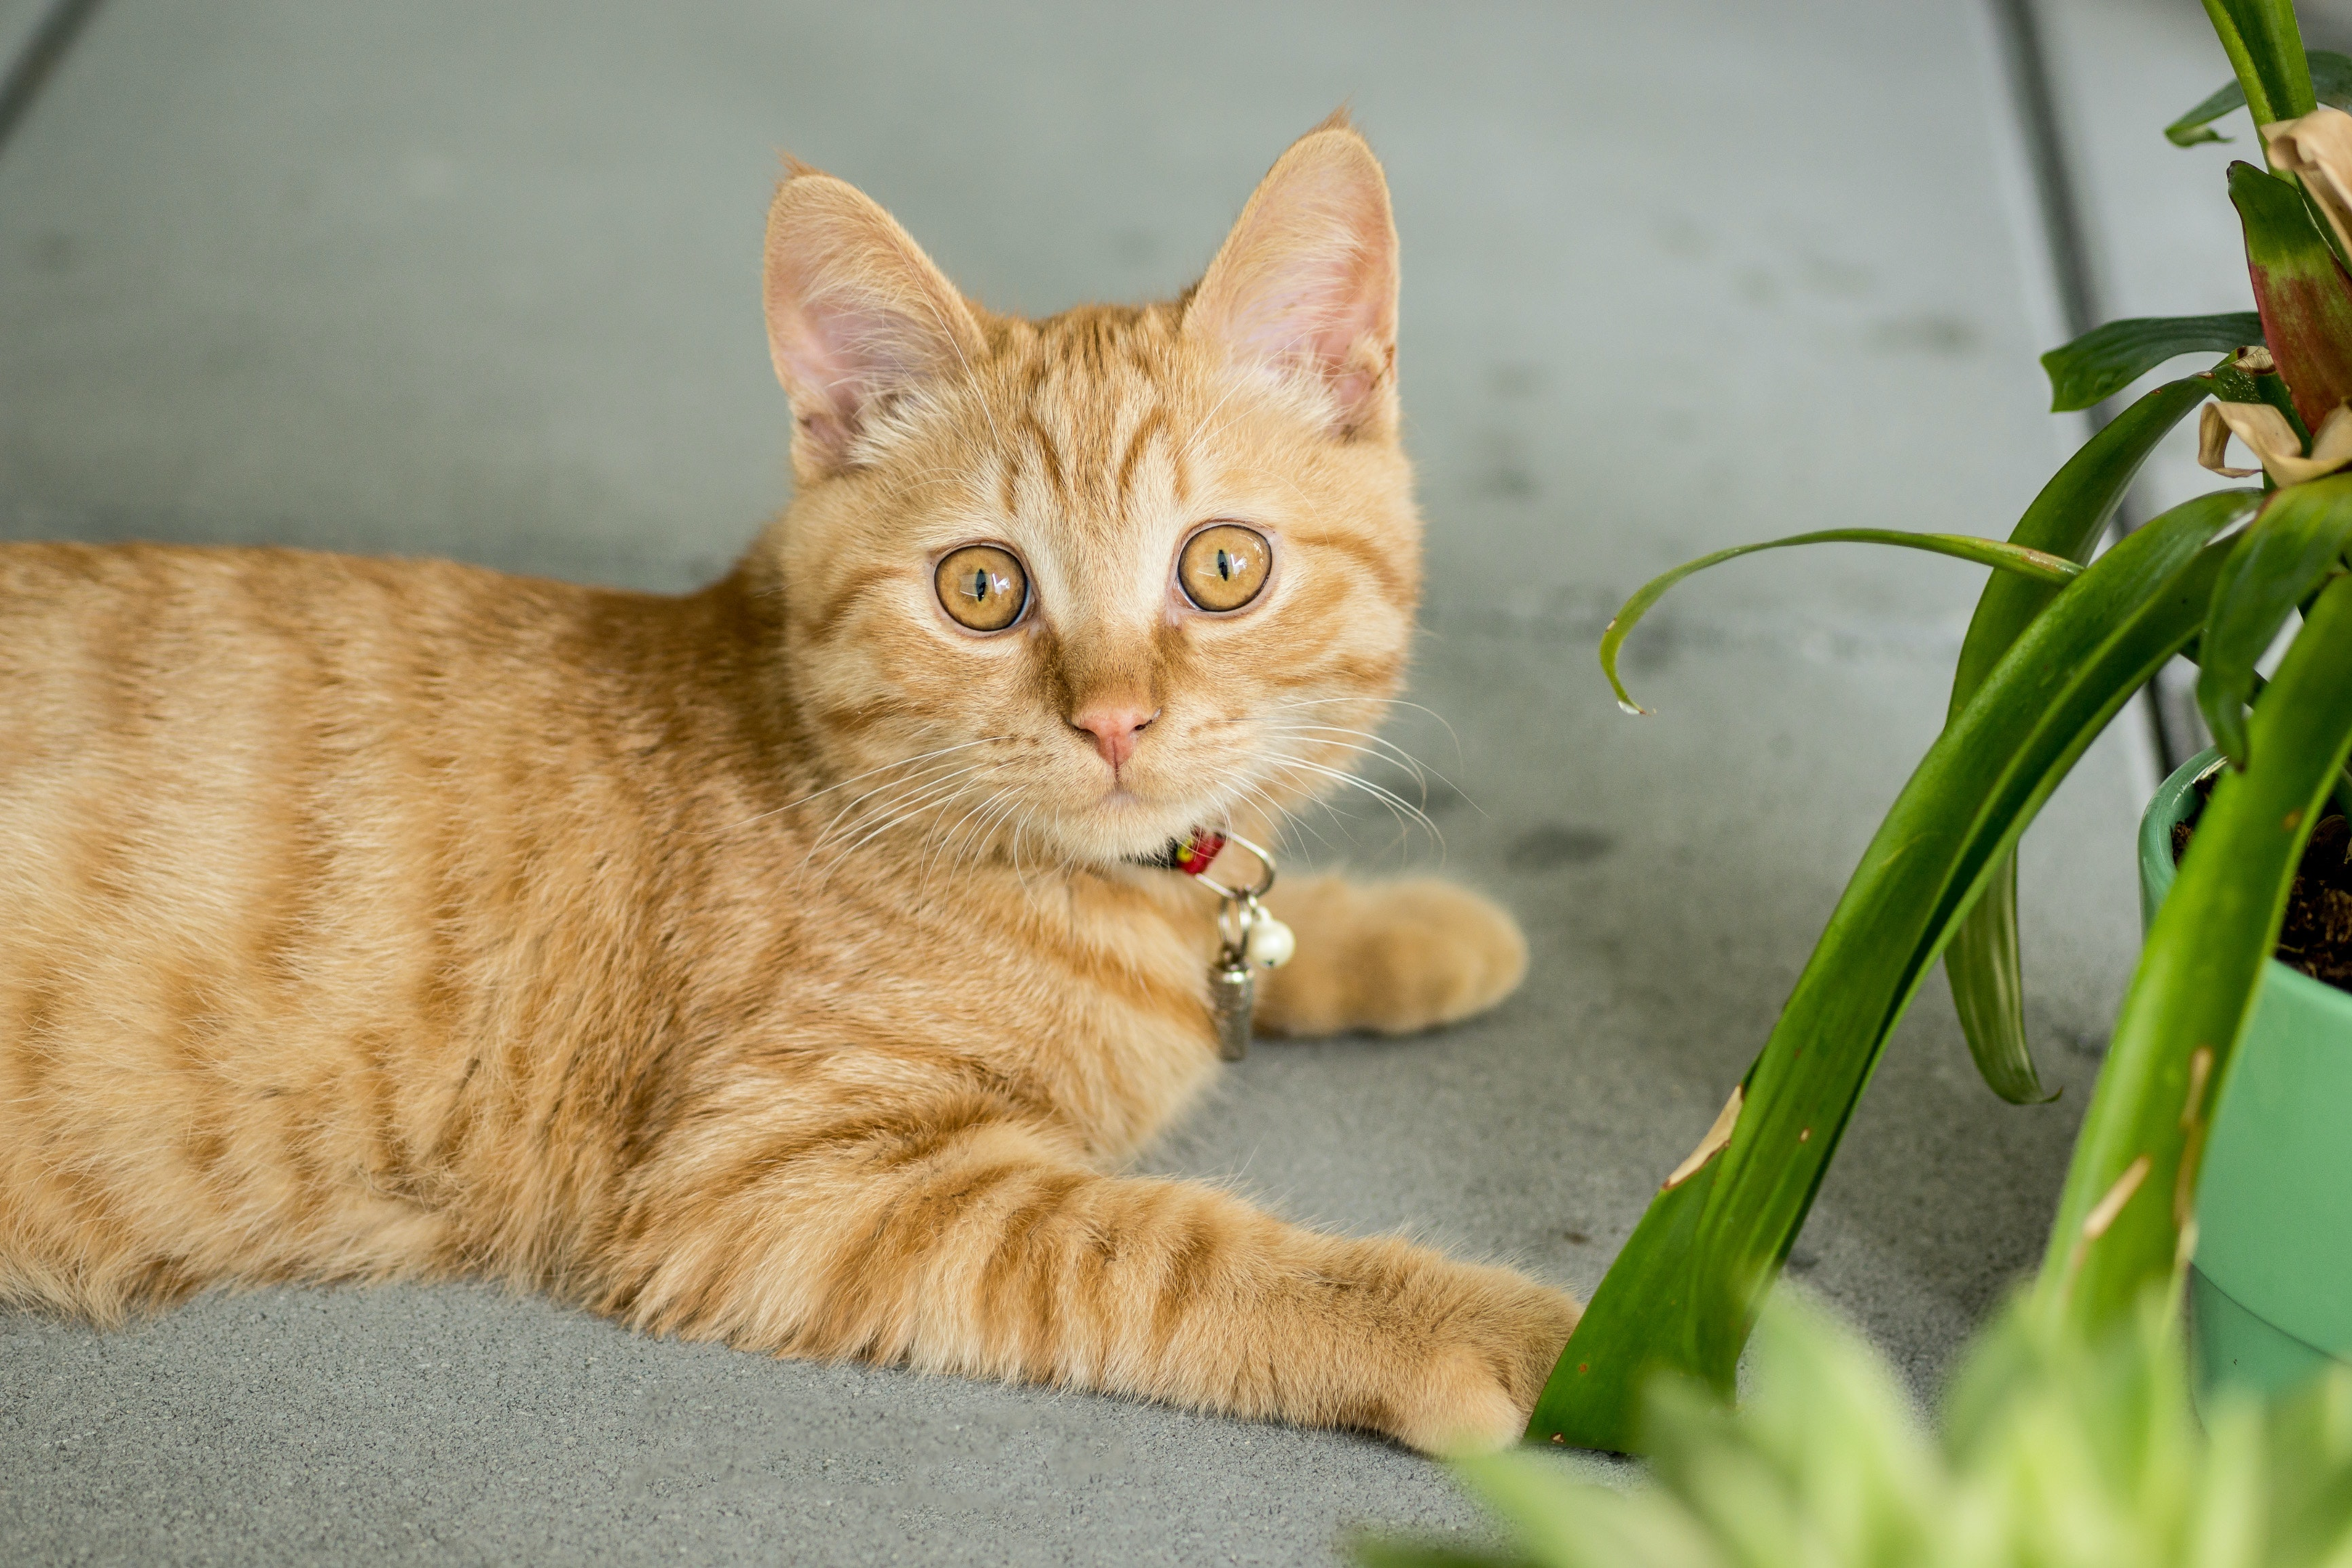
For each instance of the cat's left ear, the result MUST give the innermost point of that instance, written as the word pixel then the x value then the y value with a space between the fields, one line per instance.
pixel 1306 283
pixel 857 315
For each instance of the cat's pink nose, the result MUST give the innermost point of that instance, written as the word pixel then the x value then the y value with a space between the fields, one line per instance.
pixel 1116 727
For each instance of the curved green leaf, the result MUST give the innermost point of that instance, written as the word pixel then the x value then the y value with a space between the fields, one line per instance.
pixel 1537 1500
pixel 2136 1161
pixel 2066 519
pixel 1987 980
pixel 2331 83
pixel 2197 125
pixel 2036 563
pixel 2106 359
pixel 2298 540
pixel 1683 1293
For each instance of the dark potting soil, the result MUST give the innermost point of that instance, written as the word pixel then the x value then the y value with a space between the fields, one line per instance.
pixel 2318 935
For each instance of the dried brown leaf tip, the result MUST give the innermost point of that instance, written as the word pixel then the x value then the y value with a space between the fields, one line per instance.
pixel 2265 433
pixel 2095 1222
pixel 2200 1068
pixel 2316 148
pixel 1712 1144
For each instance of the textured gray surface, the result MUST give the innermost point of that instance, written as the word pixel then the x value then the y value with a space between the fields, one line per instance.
pixel 18 21
pixel 482 280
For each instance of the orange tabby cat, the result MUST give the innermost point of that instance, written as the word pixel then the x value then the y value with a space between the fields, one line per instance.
pixel 774 964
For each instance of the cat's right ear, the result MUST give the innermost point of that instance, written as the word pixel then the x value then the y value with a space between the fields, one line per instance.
pixel 856 315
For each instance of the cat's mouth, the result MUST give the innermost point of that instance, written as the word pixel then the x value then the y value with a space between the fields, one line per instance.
pixel 1131 825
pixel 1123 809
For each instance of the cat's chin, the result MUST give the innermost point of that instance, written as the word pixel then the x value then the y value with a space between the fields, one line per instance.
pixel 1122 827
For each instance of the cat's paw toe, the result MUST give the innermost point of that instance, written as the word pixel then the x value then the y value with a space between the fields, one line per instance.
pixel 1462 1408
pixel 1434 953
pixel 1478 1390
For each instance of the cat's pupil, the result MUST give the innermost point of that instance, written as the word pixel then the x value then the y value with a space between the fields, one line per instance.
pixel 978 585
pixel 1225 565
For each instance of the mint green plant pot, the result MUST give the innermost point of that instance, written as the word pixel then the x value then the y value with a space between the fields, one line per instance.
pixel 2271 1290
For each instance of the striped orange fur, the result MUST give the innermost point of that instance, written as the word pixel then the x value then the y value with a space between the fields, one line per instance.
pixel 770 964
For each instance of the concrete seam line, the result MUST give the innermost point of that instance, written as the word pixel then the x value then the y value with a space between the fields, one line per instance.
pixel 2178 733
pixel 32 68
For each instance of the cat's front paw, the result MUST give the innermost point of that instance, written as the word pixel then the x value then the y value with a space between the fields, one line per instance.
pixel 1489 1360
pixel 1391 957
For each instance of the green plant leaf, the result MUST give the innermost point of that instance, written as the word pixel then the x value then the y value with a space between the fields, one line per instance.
pixel 1560 1522
pixel 2331 83
pixel 2197 125
pixel 1988 979
pixel 2067 519
pixel 2265 50
pixel 1828 1427
pixel 2106 359
pixel 2051 1452
pixel 2123 1217
pixel 2299 539
pixel 2305 296
pixel 2036 563
pixel 1682 1294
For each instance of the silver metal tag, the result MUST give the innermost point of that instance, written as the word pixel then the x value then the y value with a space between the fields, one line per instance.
pixel 1233 992
pixel 1250 939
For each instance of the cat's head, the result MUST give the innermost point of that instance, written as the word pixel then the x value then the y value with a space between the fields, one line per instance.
pixel 1093 580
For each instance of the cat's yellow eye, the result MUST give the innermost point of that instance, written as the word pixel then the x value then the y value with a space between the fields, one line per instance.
pixel 1223 567
pixel 982 586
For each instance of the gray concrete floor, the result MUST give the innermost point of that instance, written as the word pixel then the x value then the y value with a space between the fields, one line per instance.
pixel 481 281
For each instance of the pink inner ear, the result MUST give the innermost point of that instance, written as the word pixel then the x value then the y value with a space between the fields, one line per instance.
pixel 1324 291
pixel 1310 277
pixel 856 312
pixel 836 353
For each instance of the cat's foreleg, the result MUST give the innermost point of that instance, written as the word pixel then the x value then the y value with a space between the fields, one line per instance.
pixel 1391 957
pixel 986 1249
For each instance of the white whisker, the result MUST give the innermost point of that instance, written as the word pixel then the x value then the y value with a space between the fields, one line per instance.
pixel 900 811
pixel 944 849
pixel 844 783
pixel 1421 770
pixel 1459 757
pixel 1406 812
pixel 896 793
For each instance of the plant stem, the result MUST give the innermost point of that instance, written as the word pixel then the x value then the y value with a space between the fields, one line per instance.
pixel 2265 48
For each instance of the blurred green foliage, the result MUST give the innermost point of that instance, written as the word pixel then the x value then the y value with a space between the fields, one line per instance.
pixel 2049 1454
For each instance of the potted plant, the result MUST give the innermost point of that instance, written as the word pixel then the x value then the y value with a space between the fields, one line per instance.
pixel 2271 1307
pixel 2061 640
